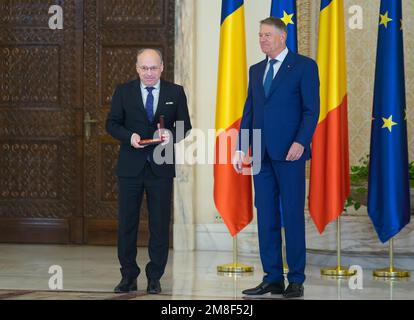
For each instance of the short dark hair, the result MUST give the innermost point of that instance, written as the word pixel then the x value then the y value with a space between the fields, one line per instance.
pixel 277 22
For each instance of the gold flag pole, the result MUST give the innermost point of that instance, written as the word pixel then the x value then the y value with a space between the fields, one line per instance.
pixel 391 272
pixel 339 270
pixel 234 267
pixel 284 259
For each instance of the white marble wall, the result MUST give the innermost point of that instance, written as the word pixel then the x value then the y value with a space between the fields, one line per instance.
pixel 357 236
pixel 216 237
pixel 184 75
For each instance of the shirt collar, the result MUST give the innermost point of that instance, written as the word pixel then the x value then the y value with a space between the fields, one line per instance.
pixel 156 86
pixel 281 56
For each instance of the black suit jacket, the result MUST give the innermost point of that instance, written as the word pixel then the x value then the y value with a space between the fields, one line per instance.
pixel 128 116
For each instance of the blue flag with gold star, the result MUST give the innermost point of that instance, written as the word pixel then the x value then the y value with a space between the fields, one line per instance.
pixel 388 183
pixel 286 10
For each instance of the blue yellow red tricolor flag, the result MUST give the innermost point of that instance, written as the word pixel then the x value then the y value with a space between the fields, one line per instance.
pixel 388 183
pixel 232 192
pixel 329 176
pixel 286 10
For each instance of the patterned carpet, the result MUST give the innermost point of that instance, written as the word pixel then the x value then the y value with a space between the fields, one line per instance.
pixel 69 295
pixel 93 295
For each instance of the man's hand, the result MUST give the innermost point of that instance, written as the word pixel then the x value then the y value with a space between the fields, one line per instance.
pixel 238 161
pixel 295 152
pixel 165 137
pixel 135 139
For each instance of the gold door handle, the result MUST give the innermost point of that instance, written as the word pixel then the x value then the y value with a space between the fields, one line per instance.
pixel 87 123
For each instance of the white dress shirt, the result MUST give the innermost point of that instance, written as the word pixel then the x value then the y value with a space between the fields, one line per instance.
pixel 280 58
pixel 155 93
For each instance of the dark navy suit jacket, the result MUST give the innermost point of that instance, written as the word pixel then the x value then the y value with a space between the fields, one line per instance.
pixel 128 116
pixel 290 113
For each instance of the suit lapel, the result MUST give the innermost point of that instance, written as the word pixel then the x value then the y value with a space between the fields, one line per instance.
pixel 161 101
pixel 284 70
pixel 136 92
pixel 137 96
pixel 260 76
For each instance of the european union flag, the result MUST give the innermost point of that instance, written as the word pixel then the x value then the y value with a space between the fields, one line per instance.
pixel 286 10
pixel 388 185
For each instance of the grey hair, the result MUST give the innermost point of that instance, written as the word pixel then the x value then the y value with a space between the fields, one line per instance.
pixel 141 51
pixel 276 22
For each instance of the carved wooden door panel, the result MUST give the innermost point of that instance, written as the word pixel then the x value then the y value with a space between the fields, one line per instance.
pixel 40 123
pixel 114 31
pixel 57 184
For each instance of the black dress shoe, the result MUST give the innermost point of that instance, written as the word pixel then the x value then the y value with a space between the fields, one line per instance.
pixel 294 290
pixel 126 285
pixel 264 287
pixel 154 286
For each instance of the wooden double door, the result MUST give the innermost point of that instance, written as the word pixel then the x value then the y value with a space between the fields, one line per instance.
pixel 57 182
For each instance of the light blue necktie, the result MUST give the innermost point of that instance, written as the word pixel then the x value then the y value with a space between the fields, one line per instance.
pixel 149 104
pixel 269 77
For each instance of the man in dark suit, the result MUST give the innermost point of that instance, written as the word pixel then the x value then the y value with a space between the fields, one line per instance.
pixel 283 102
pixel 134 116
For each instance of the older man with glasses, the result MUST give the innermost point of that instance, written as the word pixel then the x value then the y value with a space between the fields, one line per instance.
pixel 134 117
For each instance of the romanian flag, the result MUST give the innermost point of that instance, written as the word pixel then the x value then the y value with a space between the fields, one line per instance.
pixel 286 10
pixel 388 184
pixel 329 176
pixel 232 192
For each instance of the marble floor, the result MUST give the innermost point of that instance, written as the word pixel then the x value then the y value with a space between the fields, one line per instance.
pixel 91 272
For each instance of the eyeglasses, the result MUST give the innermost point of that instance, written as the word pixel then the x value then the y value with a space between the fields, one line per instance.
pixel 146 69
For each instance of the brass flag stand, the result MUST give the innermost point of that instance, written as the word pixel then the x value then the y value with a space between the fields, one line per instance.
pixel 234 267
pixel 338 271
pixel 391 272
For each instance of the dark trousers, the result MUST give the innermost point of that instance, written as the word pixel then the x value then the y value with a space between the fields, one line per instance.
pixel 158 191
pixel 281 181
